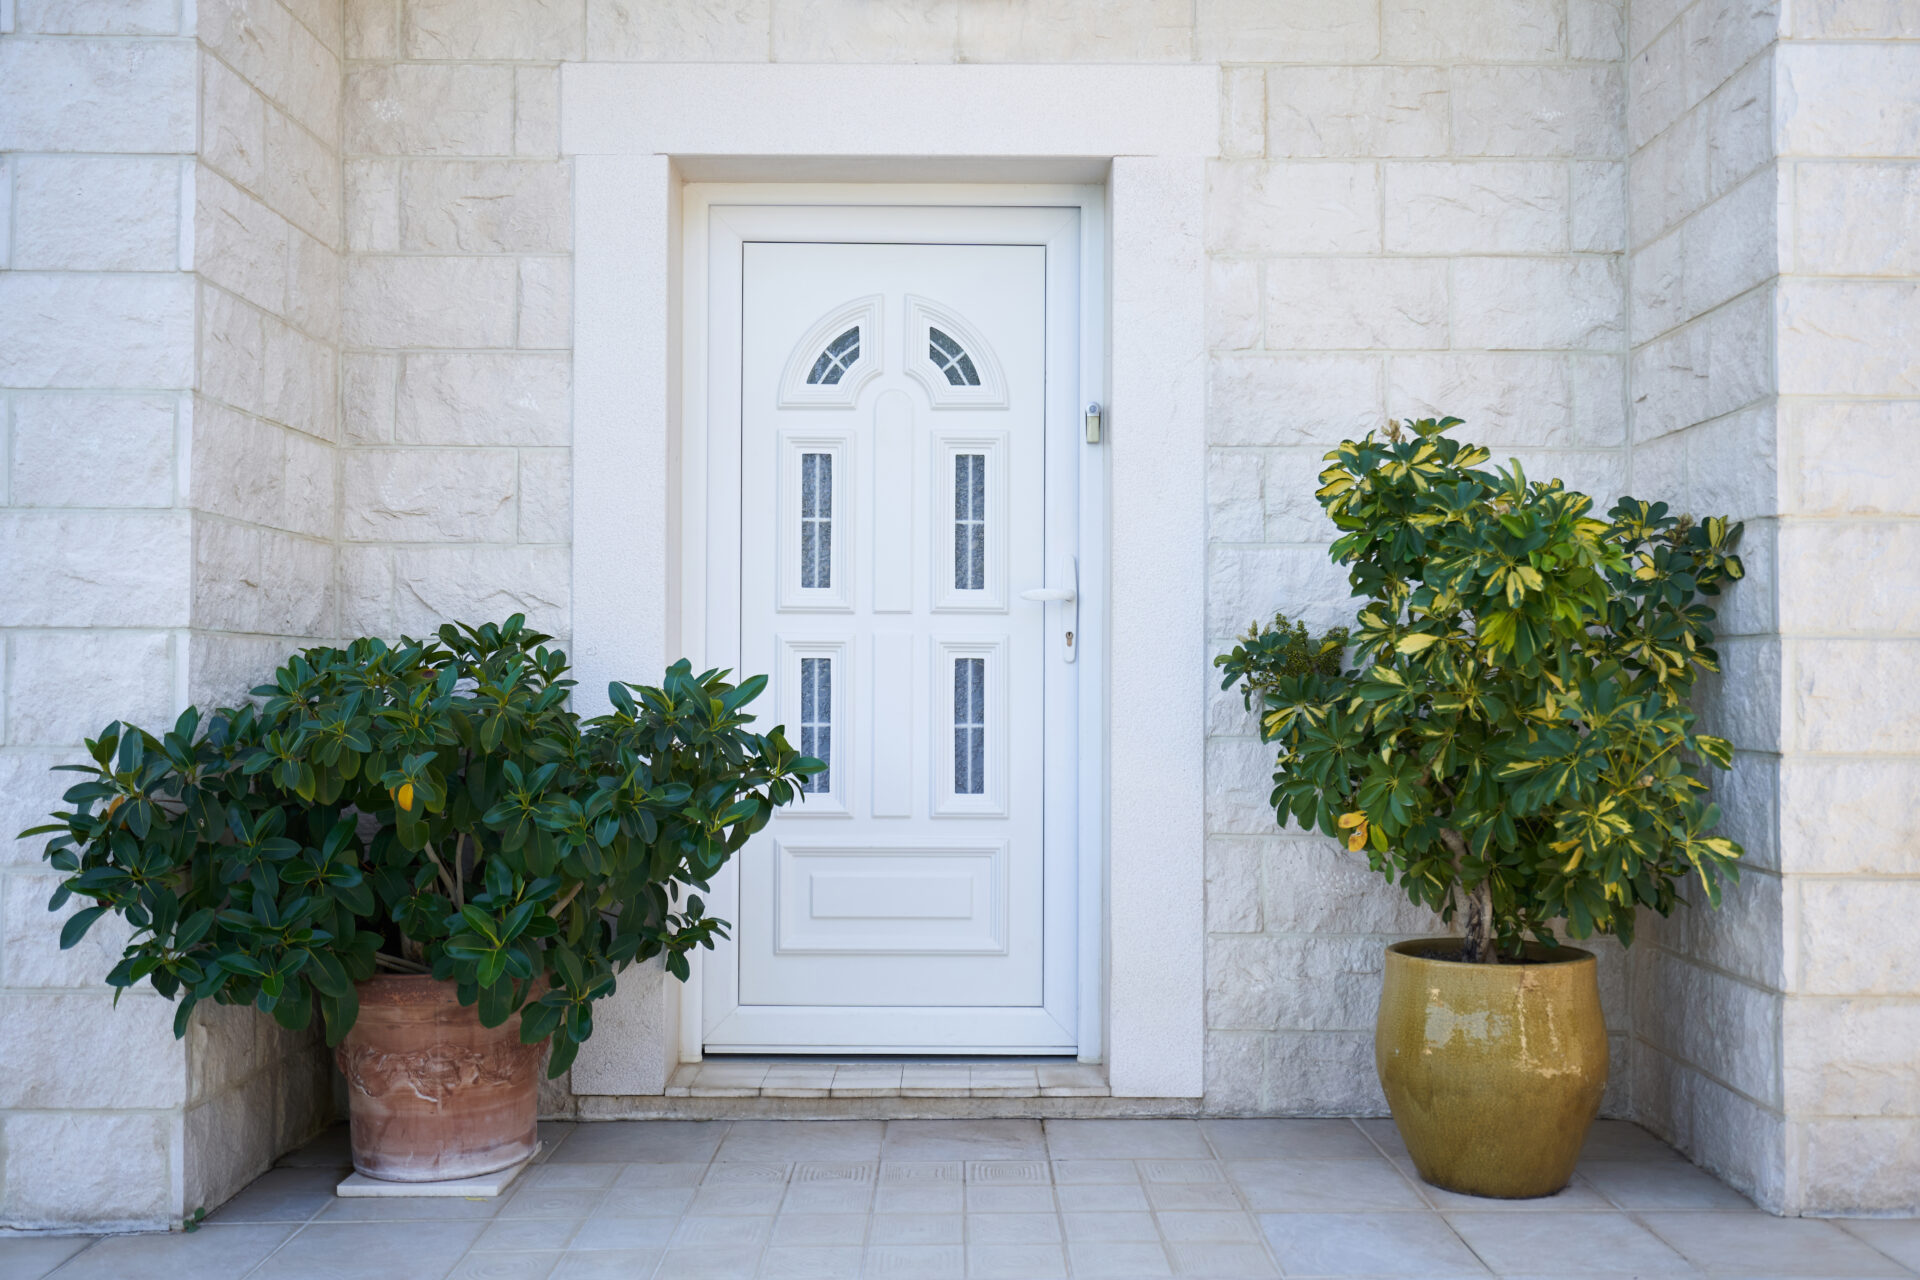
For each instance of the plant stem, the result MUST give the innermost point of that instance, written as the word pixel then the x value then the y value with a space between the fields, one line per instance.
pixel 1481 945
pixel 561 905
pixel 399 965
pixel 446 881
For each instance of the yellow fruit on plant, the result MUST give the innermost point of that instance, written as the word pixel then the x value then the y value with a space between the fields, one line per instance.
pixel 403 796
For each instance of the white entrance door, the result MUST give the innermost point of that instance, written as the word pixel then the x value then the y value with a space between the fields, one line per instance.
pixel 903 547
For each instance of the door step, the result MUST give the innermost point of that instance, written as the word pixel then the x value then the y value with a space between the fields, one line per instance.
pixel 880 1078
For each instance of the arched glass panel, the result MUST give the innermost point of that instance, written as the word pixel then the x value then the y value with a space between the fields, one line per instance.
pixel 951 360
pixel 836 359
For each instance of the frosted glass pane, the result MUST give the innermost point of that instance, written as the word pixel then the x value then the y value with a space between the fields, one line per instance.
pixel 816 719
pixel 969 726
pixel 816 520
pixel 953 362
pixel 970 522
pixel 839 356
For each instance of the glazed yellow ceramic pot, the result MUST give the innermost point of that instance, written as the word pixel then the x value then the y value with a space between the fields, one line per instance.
pixel 1493 1072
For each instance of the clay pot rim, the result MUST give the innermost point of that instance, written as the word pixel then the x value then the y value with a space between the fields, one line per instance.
pixel 1535 956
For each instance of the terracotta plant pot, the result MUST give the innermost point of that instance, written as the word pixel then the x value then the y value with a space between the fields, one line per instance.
pixel 432 1093
pixel 1493 1072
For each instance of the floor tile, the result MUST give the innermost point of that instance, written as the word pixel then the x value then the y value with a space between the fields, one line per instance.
pixel 606 1264
pixel 526 1235
pixel 796 1229
pixel 553 1202
pixel 1580 1242
pixel 1220 1261
pixel 1016 1199
pixel 1117 1260
pixel 922 1172
pixel 665 1174
pixel 642 1142
pixel 746 1173
pixel 828 1197
pixel 504 1266
pixel 1102 1197
pixel 742 1200
pixel 721 1231
pixel 281 1195
pixel 1005 1173
pixel 1576 1197
pixel 623 1233
pixel 838 1262
pixel 1331 1186
pixel 644 1202
pixel 409 1209
pixel 1203 1228
pixel 914 1262
pixel 834 1172
pixel 1899 1239
pixel 30 1257
pixel 803 1140
pixel 1286 1139
pixel 1126 1139
pixel 1380 1131
pixel 1368 1244
pixel 370 1251
pixel 1182 1171
pixel 1094 1171
pixel 1129 1226
pixel 211 1253
pixel 1660 1186
pixel 569 1177
pixel 1012 1228
pixel 963 1140
pixel 330 1150
pixel 918 1199
pixel 1192 1196
pixel 1760 1244
pixel 1015 1261
pixel 1624 1140
pixel 711 1262
pixel 916 1228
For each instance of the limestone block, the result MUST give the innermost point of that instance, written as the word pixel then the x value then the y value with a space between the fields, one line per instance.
pixel 1724 36
pixel 433 585
pixel 1310 207
pixel 485 206
pixel 1731 467
pixel 232 351
pixel 1723 250
pixel 1308 31
pixel 1347 303
pixel 1714 365
pixel 546 303
pixel 277 55
pixel 1848 99
pixel 66 686
pixel 102 569
pixel 233 136
pixel 709 31
pixel 1233 304
pixel 6 212
pixel 73 1050
pixel 97 96
pixel 1315 887
pixel 1506 397
pixel 428 495
pixel 1738 120
pixel 1322 1073
pixel 372 29
pixel 1597 30
pixel 1248 583
pixel 80 331
pixel 1227 715
pixel 1293 514
pixel 1847 218
pixel 366 591
pixel 1838 696
pixel 1076 31
pixel 29 791
pixel 1670 175
pixel 263 581
pixel 1710 1020
pixel 367 396
pixel 310 487
pixel 299 380
pixel 425 109
pixel 428 302
pixel 1749 806
pixel 635 1031
pixel 1461 29
pixel 1538 111
pixel 1357 111
pixel 1239 779
pixel 96 17
pixel 546 495
pixel 1235 1070
pixel 1860 1165
pixel 1742 701
pixel 536 30
pixel 32 933
pixel 1850 816
pixel 1850 937
pixel 1648 18
pixel 1833 337
pixel 1851 1056
pixel 1243 112
pixel 1731 1136
pixel 1599 399
pixel 229 1140
pixel 239 466
pixel 866 30
pixel 97 1169
pixel 239 243
pixel 1235 512
pixel 1860 576
pixel 1327 982
pixel 1531 303
pixel 1599 206
pixel 373 205
pixel 1233 885
pixel 1243 984
pixel 1657 79
pixel 1660 466
pixel 1743 937
pixel 484 399
pixel 313 286
pixel 1293 399
pixel 223 669
pixel 302 179
pixel 1853 20
pixel 536 111
pixel 79 450
pixel 325 18
pixel 1452 207
pixel 96 213
pixel 1853 458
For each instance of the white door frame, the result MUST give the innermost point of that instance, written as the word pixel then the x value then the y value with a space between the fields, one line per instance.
pixel 635 134
pixel 717 218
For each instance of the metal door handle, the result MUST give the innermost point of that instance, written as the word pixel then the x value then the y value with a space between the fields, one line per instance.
pixel 1045 594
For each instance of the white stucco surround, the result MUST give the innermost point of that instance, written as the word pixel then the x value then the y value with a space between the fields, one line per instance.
pixel 637 134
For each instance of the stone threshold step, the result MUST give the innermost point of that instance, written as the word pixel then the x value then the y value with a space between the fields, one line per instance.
pixel 808 1077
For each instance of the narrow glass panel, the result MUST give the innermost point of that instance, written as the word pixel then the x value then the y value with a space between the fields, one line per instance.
pixel 816 720
pixel 816 520
pixel 970 522
pixel 969 726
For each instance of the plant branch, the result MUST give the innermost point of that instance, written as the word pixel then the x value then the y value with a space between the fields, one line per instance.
pixel 561 905
pixel 446 881
pixel 398 964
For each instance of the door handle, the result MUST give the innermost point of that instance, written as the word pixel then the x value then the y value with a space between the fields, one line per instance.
pixel 1068 596
pixel 1048 594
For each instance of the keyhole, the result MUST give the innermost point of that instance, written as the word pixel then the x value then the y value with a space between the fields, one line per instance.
pixel 1069 639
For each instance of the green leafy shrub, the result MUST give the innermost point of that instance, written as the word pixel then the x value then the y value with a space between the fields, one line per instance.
pixel 431 807
pixel 1514 742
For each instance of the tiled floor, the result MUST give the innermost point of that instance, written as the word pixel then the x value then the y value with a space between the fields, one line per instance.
pixel 879 1078
pixel 1020 1199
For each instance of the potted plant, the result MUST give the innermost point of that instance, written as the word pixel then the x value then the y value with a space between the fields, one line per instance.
pixel 424 840
pixel 1512 746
